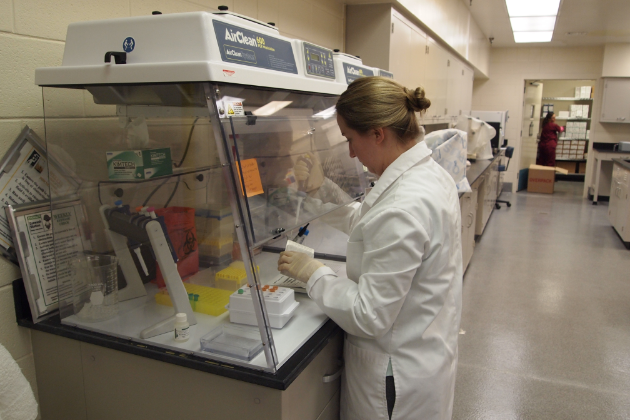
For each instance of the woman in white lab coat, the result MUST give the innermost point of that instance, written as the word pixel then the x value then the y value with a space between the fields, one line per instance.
pixel 401 302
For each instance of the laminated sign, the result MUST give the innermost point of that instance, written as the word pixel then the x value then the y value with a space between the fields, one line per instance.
pixel 249 48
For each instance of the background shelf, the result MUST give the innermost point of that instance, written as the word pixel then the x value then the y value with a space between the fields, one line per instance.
pixel 567 99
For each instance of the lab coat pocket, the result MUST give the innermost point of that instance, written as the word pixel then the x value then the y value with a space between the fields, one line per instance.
pixel 363 384
pixel 354 259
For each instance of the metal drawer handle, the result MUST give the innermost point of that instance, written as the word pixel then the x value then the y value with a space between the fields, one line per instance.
pixel 332 378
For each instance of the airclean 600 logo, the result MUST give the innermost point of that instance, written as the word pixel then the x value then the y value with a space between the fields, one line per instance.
pixel 355 72
pixel 240 37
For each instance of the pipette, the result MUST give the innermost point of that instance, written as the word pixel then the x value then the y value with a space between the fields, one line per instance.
pixel 300 233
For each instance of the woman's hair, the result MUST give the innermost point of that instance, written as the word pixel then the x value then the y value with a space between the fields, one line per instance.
pixel 379 102
pixel 547 118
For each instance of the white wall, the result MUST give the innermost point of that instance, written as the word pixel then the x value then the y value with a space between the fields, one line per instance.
pixel 32 34
pixel 510 67
pixel 616 60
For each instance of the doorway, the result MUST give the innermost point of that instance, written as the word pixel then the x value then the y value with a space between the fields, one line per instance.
pixel 571 103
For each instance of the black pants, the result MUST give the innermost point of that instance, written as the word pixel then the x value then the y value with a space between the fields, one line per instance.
pixel 390 394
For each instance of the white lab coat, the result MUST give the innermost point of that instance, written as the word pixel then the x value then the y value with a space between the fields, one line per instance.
pixel 402 297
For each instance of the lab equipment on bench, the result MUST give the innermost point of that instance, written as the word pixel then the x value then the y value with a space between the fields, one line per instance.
pixel 623 146
pixel 280 303
pixel 237 106
pixel 498 120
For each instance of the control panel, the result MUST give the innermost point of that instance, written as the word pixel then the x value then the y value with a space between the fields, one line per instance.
pixel 318 61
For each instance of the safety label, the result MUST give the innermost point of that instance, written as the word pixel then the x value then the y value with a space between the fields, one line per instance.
pixel 353 72
pixel 234 108
pixel 242 46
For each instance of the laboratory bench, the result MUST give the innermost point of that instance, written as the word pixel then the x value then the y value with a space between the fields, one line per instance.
pixel 603 155
pixel 83 374
pixel 92 368
pixel 486 182
pixel 619 206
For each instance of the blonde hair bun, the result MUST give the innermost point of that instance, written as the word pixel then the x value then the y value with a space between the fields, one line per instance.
pixel 374 101
pixel 416 100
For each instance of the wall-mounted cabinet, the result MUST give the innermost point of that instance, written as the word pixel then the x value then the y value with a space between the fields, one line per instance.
pixel 616 101
pixel 384 38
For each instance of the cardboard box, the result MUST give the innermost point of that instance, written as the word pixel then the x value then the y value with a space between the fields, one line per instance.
pixel 541 179
pixel 568 166
pixel 139 164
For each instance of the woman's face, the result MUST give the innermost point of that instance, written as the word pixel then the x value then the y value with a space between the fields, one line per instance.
pixel 361 146
pixel 553 119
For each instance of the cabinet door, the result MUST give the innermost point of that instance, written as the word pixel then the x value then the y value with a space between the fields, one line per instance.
pixel 399 57
pixel 436 80
pixel 623 206
pixel 464 205
pixel 454 87
pixel 616 101
pixel 458 88
pixel 419 59
pixel 613 204
pixel 467 90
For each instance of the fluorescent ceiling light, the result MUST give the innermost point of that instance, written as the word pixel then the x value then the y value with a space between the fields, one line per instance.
pixel 271 108
pixel 541 23
pixel 327 113
pixel 539 36
pixel 532 7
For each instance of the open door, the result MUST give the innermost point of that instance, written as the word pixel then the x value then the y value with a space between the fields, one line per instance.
pixel 530 124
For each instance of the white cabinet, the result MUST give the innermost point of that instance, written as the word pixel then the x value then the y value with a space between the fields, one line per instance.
pixel 408 56
pixel 468 206
pixel 384 38
pixel 458 88
pixel 616 101
pixel 437 79
pixel 619 205
pixel 487 197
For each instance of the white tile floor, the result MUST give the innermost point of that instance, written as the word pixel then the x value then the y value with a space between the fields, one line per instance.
pixel 546 314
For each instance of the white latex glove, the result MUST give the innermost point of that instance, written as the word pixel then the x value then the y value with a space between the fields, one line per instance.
pixel 297 265
pixel 308 172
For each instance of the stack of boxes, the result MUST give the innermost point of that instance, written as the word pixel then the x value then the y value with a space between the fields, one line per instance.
pixel 546 108
pixel 571 149
pixel 583 92
pixel 579 111
pixel 576 130
pixel 215 233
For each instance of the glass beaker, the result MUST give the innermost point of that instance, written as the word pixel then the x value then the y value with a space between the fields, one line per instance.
pixel 95 287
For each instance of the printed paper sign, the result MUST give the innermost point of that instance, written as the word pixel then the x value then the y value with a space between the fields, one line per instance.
pixel 26 182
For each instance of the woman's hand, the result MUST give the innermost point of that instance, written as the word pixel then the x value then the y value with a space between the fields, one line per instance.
pixel 297 265
pixel 308 172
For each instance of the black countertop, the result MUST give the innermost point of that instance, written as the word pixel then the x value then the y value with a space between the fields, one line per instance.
pixel 624 163
pixel 281 380
pixel 478 168
pixel 607 148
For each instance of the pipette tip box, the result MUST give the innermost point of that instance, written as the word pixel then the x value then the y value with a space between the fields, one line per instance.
pixel 279 301
pixel 210 301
